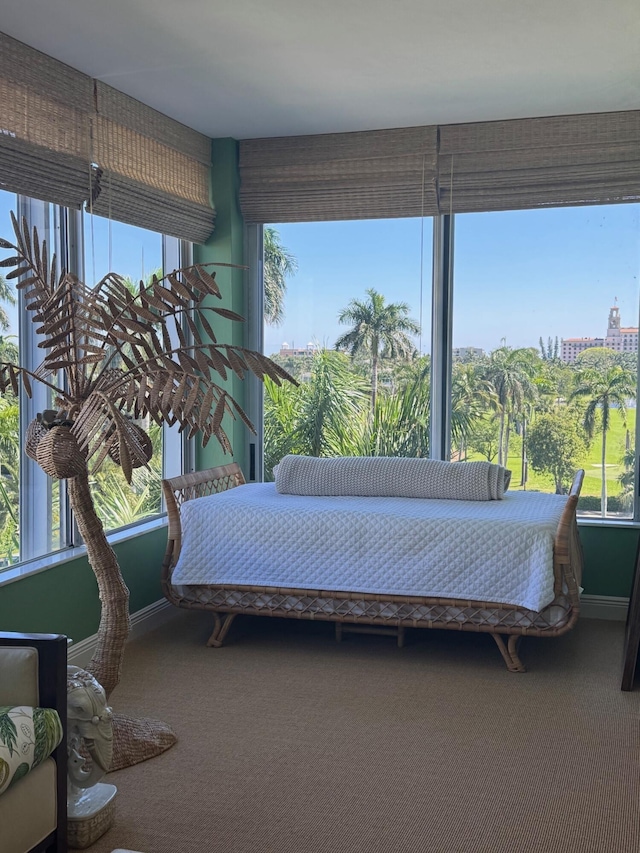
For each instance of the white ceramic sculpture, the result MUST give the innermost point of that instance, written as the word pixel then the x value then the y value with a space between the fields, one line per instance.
pixel 90 746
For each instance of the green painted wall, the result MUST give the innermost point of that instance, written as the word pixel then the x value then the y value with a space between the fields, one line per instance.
pixel 609 559
pixel 226 245
pixel 64 599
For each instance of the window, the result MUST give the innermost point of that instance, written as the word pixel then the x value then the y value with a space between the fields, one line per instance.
pixel 135 254
pixel 352 324
pixel 531 398
pixel 89 246
pixel 9 414
pixel 535 344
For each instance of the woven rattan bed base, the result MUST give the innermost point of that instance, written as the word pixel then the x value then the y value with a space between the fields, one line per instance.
pixel 505 622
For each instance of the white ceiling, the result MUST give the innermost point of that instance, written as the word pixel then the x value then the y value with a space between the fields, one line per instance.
pixel 252 68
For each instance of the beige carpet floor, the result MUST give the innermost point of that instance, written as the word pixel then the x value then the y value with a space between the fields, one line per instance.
pixel 291 742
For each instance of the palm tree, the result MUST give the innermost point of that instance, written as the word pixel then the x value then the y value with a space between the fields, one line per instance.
pixel 6 295
pixel 278 264
pixel 627 478
pixel 379 331
pixel 471 397
pixel 510 373
pixel 124 357
pixel 8 349
pixel 604 390
pixel 400 423
pixel 9 479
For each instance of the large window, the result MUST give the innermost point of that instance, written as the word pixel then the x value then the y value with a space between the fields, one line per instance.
pixel 9 412
pixel 535 344
pixel 34 516
pixel 347 309
pixel 135 254
pixel 545 337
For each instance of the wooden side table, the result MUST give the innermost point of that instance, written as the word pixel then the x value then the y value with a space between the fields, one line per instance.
pixel 632 636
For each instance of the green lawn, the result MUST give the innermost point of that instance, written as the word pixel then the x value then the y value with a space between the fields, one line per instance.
pixel 616 443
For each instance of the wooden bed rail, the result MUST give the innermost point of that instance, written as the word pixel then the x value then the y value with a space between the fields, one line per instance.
pixel 177 490
pixel 567 551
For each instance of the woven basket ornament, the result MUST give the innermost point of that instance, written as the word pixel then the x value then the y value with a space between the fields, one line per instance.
pixel 59 455
pixel 147 448
pixel 36 431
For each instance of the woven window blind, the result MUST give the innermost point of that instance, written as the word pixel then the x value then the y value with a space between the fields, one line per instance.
pixel 364 175
pixel 540 162
pixel 45 109
pixel 501 165
pixel 68 139
pixel 151 171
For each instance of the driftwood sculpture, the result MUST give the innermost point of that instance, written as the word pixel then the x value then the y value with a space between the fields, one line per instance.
pixel 124 357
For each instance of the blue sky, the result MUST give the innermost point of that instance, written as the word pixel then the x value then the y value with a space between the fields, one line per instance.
pixel 108 246
pixel 517 275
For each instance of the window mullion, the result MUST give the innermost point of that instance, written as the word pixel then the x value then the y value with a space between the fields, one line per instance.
pixel 35 485
pixel 254 330
pixel 441 338
pixel 176 451
pixel 72 250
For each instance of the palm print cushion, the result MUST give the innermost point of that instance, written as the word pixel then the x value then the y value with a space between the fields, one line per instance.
pixel 27 736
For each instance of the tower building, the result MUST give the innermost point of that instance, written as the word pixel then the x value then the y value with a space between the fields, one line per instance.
pixel 618 338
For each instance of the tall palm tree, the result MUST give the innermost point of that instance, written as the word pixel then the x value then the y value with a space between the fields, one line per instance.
pixel 377 330
pixel 604 391
pixel 6 295
pixel 9 479
pixel 124 356
pixel 510 373
pixel 400 423
pixel 324 416
pixel 332 408
pixel 278 265
pixel 471 397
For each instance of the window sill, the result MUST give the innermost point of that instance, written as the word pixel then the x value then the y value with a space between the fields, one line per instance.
pixel 586 521
pixel 42 564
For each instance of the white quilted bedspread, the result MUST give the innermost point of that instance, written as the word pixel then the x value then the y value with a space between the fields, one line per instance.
pixel 498 551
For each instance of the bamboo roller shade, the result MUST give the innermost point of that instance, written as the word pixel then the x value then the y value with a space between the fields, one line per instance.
pixel 484 166
pixel 68 139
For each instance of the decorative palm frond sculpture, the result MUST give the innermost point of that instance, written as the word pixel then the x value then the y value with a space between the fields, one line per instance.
pixel 123 357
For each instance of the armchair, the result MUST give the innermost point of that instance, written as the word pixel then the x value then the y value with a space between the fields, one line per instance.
pixel 33 810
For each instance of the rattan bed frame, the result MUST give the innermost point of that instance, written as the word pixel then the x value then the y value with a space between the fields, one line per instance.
pixel 372 612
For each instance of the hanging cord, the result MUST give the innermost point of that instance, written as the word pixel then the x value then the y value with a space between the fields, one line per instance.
pixel 421 254
pixel 91 177
pixel 450 219
pixel 91 191
pixel 110 238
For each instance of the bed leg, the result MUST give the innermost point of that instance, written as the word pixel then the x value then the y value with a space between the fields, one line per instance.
pixel 338 632
pixel 400 636
pixel 510 652
pixel 220 629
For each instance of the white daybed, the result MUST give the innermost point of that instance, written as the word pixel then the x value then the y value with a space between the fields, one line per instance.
pixel 507 567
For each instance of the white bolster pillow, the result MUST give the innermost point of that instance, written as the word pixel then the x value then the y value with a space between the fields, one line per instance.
pixel 391 476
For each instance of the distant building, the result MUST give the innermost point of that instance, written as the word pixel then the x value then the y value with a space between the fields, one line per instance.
pixel 467 353
pixel 287 351
pixel 619 339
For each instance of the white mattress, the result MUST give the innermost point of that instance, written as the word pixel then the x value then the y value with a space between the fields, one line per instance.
pixel 498 551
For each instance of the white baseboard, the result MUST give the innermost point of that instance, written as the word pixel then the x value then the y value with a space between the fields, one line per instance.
pixel 604 607
pixel 142 621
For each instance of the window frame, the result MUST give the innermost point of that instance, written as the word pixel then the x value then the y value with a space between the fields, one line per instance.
pixel 63 229
pixel 442 308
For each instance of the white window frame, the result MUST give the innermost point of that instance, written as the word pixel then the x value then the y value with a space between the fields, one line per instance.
pixel 66 237
pixel 441 353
